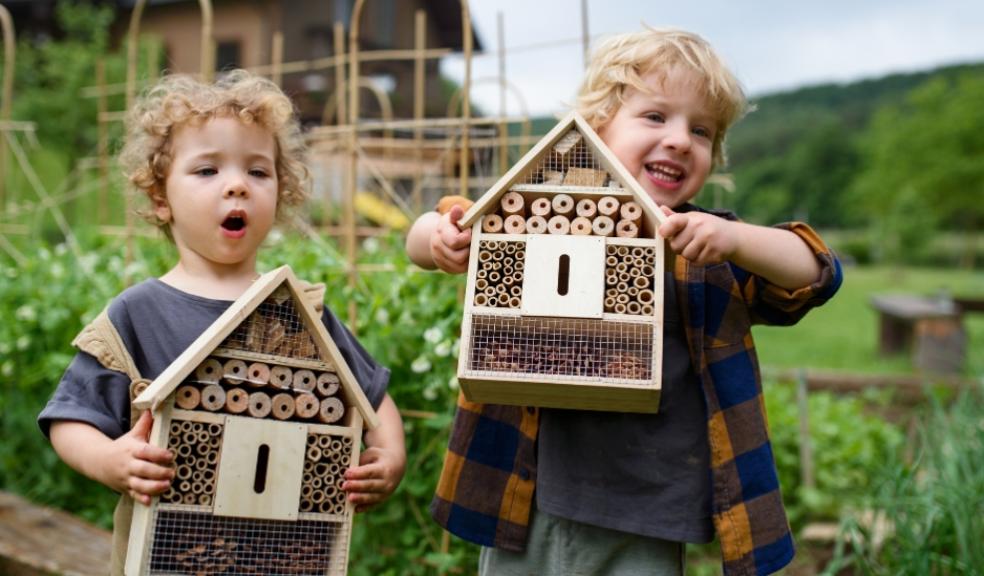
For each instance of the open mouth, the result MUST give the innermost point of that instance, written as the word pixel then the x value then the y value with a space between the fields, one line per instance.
pixel 664 172
pixel 235 221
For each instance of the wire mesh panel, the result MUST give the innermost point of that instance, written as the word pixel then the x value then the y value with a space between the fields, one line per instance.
pixel 569 163
pixel 201 544
pixel 275 328
pixel 561 349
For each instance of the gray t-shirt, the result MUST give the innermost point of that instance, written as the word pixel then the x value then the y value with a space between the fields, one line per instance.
pixel 157 322
pixel 644 474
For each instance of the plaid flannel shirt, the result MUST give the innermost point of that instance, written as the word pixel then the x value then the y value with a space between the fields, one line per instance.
pixel 486 489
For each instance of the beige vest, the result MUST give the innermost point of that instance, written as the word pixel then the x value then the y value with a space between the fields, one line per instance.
pixel 101 340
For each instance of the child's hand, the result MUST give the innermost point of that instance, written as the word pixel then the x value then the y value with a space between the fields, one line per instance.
pixel 700 238
pixel 376 477
pixel 136 467
pixel 450 246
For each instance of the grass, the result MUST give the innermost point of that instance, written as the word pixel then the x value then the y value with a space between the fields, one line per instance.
pixel 843 334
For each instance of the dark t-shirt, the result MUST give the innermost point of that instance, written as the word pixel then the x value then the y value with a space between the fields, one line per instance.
pixel 157 322
pixel 645 474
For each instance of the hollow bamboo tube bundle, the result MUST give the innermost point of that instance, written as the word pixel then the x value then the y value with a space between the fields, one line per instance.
pixel 514 302
pixel 620 308
pixel 327 384
pixel 645 296
pixel 209 371
pixel 562 204
pixel 213 397
pixel 609 304
pixel 509 248
pixel 540 207
pixel 492 223
pixel 634 308
pixel 331 410
pixel 481 300
pixel 259 405
pixel 640 281
pixel 626 229
pixel 258 374
pixel 536 225
pixel 512 203
pixel 484 253
pixel 188 397
pixel 237 401
pixel 306 405
pixel 514 224
pixel 603 225
pixel 282 406
pixel 481 284
pixel 581 226
pixel 608 206
pixel 647 310
pixel 234 371
pixel 559 225
pixel 631 211
pixel 304 380
pixel 586 207
pixel 281 376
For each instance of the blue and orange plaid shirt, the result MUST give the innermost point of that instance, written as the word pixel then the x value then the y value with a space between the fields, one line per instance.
pixel 485 493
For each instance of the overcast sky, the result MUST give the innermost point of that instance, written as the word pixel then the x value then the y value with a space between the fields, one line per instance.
pixel 771 45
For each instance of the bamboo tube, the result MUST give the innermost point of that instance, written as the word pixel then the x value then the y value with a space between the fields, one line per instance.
pixel 645 296
pixel 184 450
pixel 259 405
pixel 647 310
pixel 626 229
pixel 335 446
pixel 189 498
pixel 327 384
pixel 520 261
pixel 213 397
pixel 481 300
pixel 514 302
pixel 482 273
pixel 282 406
pixel 634 308
pixel 620 308
pixel 641 282
pixel 509 248
pixel 648 271
pixel 540 207
pixel 507 281
pixel 324 441
pixel 188 397
pixel 559 225
pixel 281 377
pixel 306 505
pixel 562 204
pixel 608 206
pixel 517 290
pixel 581 226
pixel 209 371
pixel 633 292
pixel 611 292
pixel 314 453
pixel 237 401
pixel 215 430
pixel 317 496
pixel 331 410
pixel 587 208
pixel 491 245
pixel 321 469
pixel 611 250
pixel 497 265
pixel 497 254
pixel 622 251
pixel 638 251
pixel 183 472
pixel 202 437
pixel 493 302
pixel 234 371
pixel 609 303
pixel 622 298
pixel 603 225
pixel 197 488
pixel 481 284
pixel 494 277
pixel 611 278
pixel 212 457
pixel 258 374
pixel 512 203
pixel 317 483
pixel 304 380
pixel 306 405
pixel 484 254
pixel 515 224
pixel 611 261
pixel 631 211
pixel 536 225
pixel 492 223
pixel 347 441
pixel 622 267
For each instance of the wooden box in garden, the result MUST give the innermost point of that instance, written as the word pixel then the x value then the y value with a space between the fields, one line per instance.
pixel 264 417
pixel 564 300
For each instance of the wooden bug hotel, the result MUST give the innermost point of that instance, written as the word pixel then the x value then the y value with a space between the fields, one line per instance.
pixel 564 301
pixel 264 417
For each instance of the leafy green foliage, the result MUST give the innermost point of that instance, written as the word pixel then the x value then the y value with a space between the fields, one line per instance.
pixel 931 506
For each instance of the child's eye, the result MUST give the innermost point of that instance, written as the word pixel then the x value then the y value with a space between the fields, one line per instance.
pixel 258 173
pixel 702 132
pixel 655 117
pixel 206 171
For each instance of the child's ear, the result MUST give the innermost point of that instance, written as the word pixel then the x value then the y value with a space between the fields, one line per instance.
pixel 161 208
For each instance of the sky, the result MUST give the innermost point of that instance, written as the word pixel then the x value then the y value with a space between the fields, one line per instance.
pixel 771 45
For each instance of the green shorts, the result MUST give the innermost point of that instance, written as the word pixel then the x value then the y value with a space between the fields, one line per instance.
pixel 559 547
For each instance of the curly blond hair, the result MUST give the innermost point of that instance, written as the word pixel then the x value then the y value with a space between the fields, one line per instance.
pixel 623 60
pixel 178 100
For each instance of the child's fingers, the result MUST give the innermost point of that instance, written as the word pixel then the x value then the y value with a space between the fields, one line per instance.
pixel 147 487
pixel 150 471
pixel 456 239
pixel 673 225
pixel 155 454
pixel 372 486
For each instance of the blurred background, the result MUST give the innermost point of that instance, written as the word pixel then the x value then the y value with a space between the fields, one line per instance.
pixel 869 126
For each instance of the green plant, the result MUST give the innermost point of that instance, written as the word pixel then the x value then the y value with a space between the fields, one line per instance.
pixel 933 505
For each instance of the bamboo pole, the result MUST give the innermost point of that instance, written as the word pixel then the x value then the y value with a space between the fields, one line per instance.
pixel 353 171
pixel 102 144
pixel 7 97
pixel 503 147
pixel 419 85
pixel 277 57
pixel 466 35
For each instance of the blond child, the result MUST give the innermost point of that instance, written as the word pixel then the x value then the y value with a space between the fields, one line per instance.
pixel 220 163
pixel 564 491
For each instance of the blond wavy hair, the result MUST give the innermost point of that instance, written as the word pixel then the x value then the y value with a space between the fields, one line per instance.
pixel 623 60
pixel 179 100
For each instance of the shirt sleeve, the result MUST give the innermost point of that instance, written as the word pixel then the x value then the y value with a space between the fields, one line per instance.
pixel 772 304
pixel 92 394
pixel 372 377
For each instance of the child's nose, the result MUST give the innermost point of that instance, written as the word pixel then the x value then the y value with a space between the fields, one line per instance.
pixel 237 189
pixel 678 137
